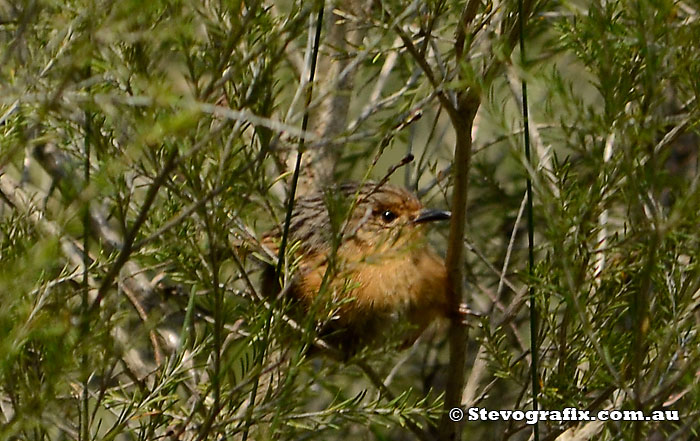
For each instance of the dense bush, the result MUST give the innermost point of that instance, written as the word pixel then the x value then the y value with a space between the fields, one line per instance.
pixel 147 147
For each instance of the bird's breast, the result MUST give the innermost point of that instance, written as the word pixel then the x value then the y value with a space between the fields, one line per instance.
pixel 384 283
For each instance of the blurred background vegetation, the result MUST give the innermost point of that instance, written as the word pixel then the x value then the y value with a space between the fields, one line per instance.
pixel 141 143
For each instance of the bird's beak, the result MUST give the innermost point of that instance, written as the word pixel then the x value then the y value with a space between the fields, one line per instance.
pixel 432 215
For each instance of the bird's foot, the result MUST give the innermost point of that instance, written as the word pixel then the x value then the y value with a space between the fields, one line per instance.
pixel 465 313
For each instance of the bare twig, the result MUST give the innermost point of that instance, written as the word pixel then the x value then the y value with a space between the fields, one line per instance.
pixel 128 245
pixel 419 57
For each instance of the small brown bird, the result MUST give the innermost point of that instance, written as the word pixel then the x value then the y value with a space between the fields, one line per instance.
pixel 365 246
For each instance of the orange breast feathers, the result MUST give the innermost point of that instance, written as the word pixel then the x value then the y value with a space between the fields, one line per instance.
pixel 409 280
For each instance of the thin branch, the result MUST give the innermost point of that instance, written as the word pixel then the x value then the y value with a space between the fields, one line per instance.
pixel 128 245
pixel 419 57
pixel 462 121
pixel 464 28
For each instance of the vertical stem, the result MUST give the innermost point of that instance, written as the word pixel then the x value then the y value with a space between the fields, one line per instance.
pixel 218 318
pixel 85 304
pixel 290 207
pixel 300 150
pixel 462 120
pixel 530 228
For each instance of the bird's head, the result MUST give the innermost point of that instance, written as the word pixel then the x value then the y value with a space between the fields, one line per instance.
pixel 368 214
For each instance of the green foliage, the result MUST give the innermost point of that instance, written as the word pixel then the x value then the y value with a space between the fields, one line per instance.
pixel 157 137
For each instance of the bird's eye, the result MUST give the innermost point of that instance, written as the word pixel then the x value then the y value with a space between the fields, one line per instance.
pixel 388 216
